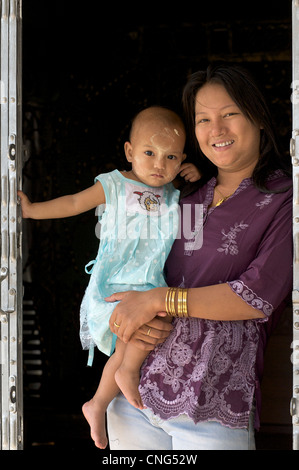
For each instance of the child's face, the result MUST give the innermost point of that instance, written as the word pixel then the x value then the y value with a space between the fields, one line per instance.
pixel 156 153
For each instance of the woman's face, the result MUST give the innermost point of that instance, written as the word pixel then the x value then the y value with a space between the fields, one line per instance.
pixel 226 137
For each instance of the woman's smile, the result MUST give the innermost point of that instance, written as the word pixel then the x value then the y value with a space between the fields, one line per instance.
pixel 223 145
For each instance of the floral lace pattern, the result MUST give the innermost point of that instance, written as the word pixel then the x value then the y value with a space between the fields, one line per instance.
pixel 206 359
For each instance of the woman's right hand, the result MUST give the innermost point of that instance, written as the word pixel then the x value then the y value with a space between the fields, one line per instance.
pixel 135 309
pixel 152 333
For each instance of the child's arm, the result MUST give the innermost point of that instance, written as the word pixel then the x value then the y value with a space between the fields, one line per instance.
pixel 190 172
pixel 65 206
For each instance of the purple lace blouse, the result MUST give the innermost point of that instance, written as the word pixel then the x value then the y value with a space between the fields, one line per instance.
pixel 211 370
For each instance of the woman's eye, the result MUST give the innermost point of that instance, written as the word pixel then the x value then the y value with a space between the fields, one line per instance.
pixel 201 121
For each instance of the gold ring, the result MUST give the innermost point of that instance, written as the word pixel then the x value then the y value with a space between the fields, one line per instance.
pixel 148 332
pixel 116 325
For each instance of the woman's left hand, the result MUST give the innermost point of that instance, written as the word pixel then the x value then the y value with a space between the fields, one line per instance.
pixel 134 310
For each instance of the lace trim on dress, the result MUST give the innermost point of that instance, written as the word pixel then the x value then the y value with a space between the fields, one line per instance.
pixel 250 297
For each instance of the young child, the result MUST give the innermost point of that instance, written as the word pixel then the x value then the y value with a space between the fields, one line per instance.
pixel 138 226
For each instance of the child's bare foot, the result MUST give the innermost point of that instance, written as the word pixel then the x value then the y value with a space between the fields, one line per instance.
pixel 95 417
pixel 128 382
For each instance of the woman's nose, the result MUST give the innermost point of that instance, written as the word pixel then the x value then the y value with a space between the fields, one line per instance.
pixel 217 128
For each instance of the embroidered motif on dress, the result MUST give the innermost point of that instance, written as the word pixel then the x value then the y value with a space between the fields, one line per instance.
pixel 250 297
pixel 231 246
pixel 267 200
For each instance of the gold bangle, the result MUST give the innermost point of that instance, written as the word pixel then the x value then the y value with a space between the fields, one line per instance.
pixel 182 302
pixel 182 306
pixel 170 301
pixel 166 301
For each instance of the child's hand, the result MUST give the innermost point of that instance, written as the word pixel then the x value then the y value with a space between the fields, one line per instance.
pixel 25 204
pixel 190 172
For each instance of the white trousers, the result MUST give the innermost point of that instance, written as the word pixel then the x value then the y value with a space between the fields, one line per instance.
pixel 133 429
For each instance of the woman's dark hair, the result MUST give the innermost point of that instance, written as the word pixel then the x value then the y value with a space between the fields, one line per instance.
pixel 245 93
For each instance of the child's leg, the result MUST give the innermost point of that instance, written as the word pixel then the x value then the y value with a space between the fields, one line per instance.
pixel 127 375
pixel 95 409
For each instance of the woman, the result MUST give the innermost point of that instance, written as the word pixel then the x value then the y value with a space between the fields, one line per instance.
pixel 201 387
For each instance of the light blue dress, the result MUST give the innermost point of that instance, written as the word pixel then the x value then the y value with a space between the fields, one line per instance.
pixel 138 226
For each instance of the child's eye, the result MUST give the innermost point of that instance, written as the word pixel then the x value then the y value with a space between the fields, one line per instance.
pixel 171 157
pixel 149 153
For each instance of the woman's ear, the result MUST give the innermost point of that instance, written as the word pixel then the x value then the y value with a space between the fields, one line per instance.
pixel 128 151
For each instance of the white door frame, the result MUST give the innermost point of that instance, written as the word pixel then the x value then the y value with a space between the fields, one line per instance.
pixel 11 288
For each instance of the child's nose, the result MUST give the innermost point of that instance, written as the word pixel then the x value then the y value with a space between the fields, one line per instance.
pixel 159 163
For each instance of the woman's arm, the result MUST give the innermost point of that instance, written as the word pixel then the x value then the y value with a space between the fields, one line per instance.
pixel 219 303
pixel 216 302
pixel 65 206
